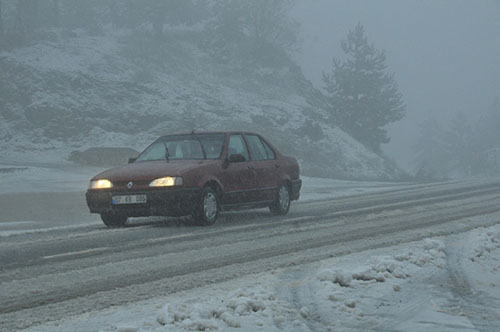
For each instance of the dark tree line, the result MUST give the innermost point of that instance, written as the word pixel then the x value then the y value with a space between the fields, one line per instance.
pixel 24 20
pixel 266 21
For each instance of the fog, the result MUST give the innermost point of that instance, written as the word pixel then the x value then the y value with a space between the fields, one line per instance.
pixel 306 165
pixel 445 55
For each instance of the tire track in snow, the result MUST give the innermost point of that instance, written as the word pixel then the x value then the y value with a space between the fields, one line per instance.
pixel 475 305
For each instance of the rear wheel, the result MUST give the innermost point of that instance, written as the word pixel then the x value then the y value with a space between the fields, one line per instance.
pixel 113 220
pixel 281 204
pixel 208 210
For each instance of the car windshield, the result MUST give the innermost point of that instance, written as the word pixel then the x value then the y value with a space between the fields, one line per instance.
pixel 181 147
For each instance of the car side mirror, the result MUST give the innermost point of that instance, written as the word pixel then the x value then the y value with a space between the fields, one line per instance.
pixel 237 158
pixel 131 160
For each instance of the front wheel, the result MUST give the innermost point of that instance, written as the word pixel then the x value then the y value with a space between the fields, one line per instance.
pixel 113 220
pixel 208 210
pixel 281 204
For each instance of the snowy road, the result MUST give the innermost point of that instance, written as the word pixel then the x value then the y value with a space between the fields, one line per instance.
pixel 69 271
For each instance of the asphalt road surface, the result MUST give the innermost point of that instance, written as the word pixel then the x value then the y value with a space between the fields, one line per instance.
pixel 51 274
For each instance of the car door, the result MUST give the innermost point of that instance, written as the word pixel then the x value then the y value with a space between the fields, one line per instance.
pixel 265 166
pixel 239 178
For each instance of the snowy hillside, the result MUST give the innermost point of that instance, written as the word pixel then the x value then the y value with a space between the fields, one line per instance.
pixel 72 91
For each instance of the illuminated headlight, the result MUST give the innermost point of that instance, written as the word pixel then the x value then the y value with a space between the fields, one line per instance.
pixel 100 184
pixel 168 181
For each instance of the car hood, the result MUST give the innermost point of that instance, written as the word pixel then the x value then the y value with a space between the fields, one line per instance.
pixel 149 170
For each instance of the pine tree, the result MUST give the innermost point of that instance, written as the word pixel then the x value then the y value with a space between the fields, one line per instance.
pixel 364 97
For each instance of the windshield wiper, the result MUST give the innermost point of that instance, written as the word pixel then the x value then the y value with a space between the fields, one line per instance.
pixel 167 154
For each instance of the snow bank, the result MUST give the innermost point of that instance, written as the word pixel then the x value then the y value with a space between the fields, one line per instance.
pixel 247 309
pixel 383 267
pixel 480 263
pixel 266 308
pixel 484 242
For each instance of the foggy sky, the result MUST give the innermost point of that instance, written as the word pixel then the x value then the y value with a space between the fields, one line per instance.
pixel 445 54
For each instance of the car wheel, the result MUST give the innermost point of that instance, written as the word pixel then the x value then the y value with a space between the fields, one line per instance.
pixel 113 220
pixel 208 210
pixel 281 204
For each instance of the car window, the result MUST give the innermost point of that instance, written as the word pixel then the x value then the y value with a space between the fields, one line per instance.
pixel 154 152
pixel 258 150
pixel 269 151
pixel 184 149
pixel 237 146
pixel 212 144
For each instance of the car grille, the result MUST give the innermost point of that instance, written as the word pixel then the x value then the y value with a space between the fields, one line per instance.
pixel 136 185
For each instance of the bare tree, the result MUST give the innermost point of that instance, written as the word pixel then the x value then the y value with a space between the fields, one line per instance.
pixel 268 22
pixel 265 22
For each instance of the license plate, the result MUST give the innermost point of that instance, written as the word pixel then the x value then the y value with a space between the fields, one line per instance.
pixel 129 199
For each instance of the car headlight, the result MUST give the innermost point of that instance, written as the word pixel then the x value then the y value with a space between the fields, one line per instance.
pixel 100 184
pixel 168 181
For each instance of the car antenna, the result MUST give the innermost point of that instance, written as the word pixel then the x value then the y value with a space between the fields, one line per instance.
pixel 167 154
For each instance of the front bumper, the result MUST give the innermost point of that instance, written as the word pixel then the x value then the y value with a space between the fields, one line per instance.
pixel 173 202
pixel 296 185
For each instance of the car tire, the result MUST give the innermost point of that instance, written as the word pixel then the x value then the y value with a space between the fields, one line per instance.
pixel 281 204
pixel 208 209
pixel 113 220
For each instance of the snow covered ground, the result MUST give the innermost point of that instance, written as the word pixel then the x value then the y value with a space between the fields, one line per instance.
pixel 46 179
pixel 437 284
pixel 314 188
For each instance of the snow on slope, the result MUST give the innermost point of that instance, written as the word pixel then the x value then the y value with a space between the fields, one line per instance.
pixel 125 89
pixel 409 287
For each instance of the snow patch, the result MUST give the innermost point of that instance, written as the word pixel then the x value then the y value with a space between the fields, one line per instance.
pixel 383 267
pixel 256 304
pixel 485 242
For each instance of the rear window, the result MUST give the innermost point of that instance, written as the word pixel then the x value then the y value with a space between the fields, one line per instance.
pixel 260 150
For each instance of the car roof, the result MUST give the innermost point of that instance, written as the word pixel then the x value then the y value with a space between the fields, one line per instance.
pixel 212 132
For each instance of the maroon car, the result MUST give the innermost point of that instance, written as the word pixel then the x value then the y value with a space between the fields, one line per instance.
pixel 197 174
